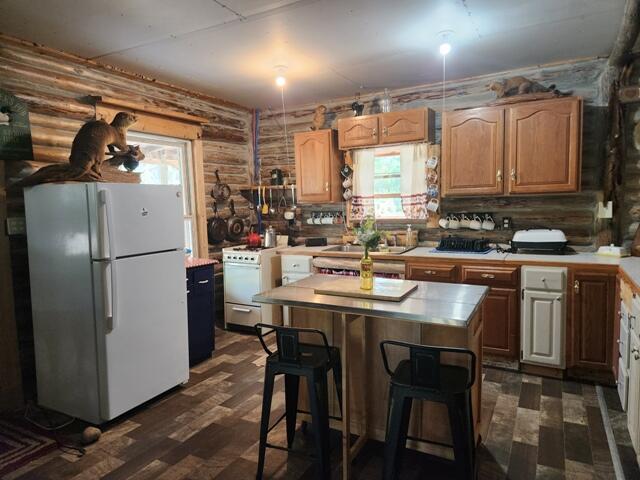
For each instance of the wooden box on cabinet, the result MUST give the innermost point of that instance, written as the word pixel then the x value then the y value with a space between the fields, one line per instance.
pixel 318 163
pixel 590 324
pixel 416 125
pixel 525 148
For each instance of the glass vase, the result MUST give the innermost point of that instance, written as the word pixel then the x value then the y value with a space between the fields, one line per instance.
pixel 366 272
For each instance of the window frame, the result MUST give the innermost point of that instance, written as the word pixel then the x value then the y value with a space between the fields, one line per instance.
pixel 393 153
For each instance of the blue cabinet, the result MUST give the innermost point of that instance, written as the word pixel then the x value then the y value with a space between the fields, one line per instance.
pixel 200 310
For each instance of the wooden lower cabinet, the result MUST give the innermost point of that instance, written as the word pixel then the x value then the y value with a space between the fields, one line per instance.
pixel 590 324
pixel 500 314
pixel 427 272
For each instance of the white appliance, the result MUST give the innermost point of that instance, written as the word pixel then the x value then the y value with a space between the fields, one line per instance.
pixel 543 315
pixel 294 268
pixel 539 239
pixel 108 296
pixel 248 271
pixel 624 351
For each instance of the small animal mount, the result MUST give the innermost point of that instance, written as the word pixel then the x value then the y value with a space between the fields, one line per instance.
pixel 4 118
pixel 88 153
pixel 319 117
pixel 520 86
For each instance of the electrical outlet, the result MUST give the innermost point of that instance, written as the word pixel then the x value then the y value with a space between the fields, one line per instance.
pixel 16 226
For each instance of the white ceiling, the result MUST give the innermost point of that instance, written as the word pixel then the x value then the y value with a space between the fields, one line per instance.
pixel 228 48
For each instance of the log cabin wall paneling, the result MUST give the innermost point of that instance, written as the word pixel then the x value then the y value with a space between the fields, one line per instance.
pixel 573 213
pixel 57 87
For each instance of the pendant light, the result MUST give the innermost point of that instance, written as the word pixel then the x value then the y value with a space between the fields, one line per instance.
pixel 281 82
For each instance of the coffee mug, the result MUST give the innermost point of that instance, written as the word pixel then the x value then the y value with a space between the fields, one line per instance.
pixel 432 177
pixel 432 162
pixel 444 222
pixel 310 221
pixel 347 194
pixel 347 183
pixel 476 223
pixel 454 223
pixel 488 223
pixel 432 190
pixel 465 221
pixel 433 205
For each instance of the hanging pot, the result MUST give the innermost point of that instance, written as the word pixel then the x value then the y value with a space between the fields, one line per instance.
pixel 235 225
pixel 216 226
pixel 221 191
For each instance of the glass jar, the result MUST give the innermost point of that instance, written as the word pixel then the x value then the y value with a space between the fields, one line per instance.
pixel 385 102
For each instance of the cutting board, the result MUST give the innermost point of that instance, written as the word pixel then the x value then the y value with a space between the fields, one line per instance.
pixel 386 289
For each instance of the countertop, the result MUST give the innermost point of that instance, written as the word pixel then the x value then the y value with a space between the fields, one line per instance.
pixel 493 256
pixel 432 303
pixel 630 266
pixel 191 262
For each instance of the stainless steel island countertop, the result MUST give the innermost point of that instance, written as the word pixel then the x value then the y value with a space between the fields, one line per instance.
pixel 431 303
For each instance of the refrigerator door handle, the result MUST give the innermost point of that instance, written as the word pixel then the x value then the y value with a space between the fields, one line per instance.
pixel 112 306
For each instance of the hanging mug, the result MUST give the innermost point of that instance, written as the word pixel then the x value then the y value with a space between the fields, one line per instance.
pixel 454 223
pixel 432 190
pixel 465 221
pixel 432 177
pixel 476 223
pixel 432 162
pixel 347 194
pixel 444 223
pixel 347 183
pixel 488 223
pixel 433 205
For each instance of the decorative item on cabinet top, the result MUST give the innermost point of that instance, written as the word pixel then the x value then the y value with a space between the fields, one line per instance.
pixel 386 128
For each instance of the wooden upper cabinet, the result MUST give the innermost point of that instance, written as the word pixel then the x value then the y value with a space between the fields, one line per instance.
pixel 360 131
pixel 318 163
pixel 473 152
pixel 407 126
pixel 544 146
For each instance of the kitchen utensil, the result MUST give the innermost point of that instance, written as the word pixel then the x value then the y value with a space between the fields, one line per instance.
pixel 265 205
pixel 488 223
pixel 454 223
pixel 272 208
pixel 270 237
pixel 235 225
pixel 259 206
pixel 220 191
pixel 216 226
pixel 476 223
pixel 293 196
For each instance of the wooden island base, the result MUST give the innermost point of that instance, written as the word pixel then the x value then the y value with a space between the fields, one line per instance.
pixel 366 384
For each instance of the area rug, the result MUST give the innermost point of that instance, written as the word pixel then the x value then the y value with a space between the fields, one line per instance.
pixel 21 443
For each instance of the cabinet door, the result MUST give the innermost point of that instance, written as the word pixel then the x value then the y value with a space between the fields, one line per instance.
pixel 544 146
pixel 591 320
pixel 431 273
pixel 473 152
pixel 313 166
pixel 500 330
pixel 407 126
pixel 543 328
pixel 633 402
pixel 358 131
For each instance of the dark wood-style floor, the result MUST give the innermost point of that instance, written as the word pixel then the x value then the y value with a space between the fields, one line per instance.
pixel 540 428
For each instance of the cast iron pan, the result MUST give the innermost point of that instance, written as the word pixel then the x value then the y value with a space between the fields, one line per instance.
pixel 221 191
pixel 216 226
pixel 235 225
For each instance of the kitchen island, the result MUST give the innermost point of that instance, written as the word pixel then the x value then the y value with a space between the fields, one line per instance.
pixel 438 314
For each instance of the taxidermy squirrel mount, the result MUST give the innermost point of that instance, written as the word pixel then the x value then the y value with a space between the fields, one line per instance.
pixel 519 86
pixel 94 141
pixel 319 117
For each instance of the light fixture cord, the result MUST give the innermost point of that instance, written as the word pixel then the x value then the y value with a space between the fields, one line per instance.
pixel 444 60
pixel 286 136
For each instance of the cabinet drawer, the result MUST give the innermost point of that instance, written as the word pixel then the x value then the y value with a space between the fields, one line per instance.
pixel 244 315
pixel 490 275
pixel 202 279
pixel 297 263
pixel 432 273
pixel 622 384
pixel 544 278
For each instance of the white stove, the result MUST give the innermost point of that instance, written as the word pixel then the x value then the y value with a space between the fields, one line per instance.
pixel 248 271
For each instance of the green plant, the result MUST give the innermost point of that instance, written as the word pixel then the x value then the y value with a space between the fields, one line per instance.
pixel 368 235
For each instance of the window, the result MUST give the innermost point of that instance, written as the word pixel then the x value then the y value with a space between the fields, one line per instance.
pixel 168 162
pixel 387 186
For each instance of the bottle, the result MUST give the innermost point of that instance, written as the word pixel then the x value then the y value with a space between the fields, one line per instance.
pixel 385 103
pixel 409 241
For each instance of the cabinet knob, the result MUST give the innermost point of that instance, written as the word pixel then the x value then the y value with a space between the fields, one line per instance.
pixel 513 174
pixel 374 132
pixel 385 131
pixel 499 175
pixel 488 275
pixel 326 186
pixel 429 272
pixel 576 286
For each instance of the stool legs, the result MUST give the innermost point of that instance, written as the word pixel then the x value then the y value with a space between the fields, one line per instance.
pixel 461 421
pixel 318 397
pixel 269 378
pixel 291 387
pixel 399 415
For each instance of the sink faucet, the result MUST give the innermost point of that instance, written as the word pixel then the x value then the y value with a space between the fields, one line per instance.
pixel 395 240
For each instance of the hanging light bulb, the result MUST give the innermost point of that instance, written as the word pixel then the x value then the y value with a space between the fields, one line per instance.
pixel 445 42
pixel 281 81
pixel 445 48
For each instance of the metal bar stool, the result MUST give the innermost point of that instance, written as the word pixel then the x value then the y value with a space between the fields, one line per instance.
pixel 424 377
pixel 295 359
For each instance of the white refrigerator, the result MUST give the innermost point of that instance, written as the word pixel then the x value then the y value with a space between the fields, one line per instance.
pixel 108 295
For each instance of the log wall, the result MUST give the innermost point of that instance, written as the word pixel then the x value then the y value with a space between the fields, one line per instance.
pixel 56 87
pixel 575 213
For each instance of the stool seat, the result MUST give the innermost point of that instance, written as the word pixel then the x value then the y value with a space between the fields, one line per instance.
pixel 453 379
pixel 310 356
